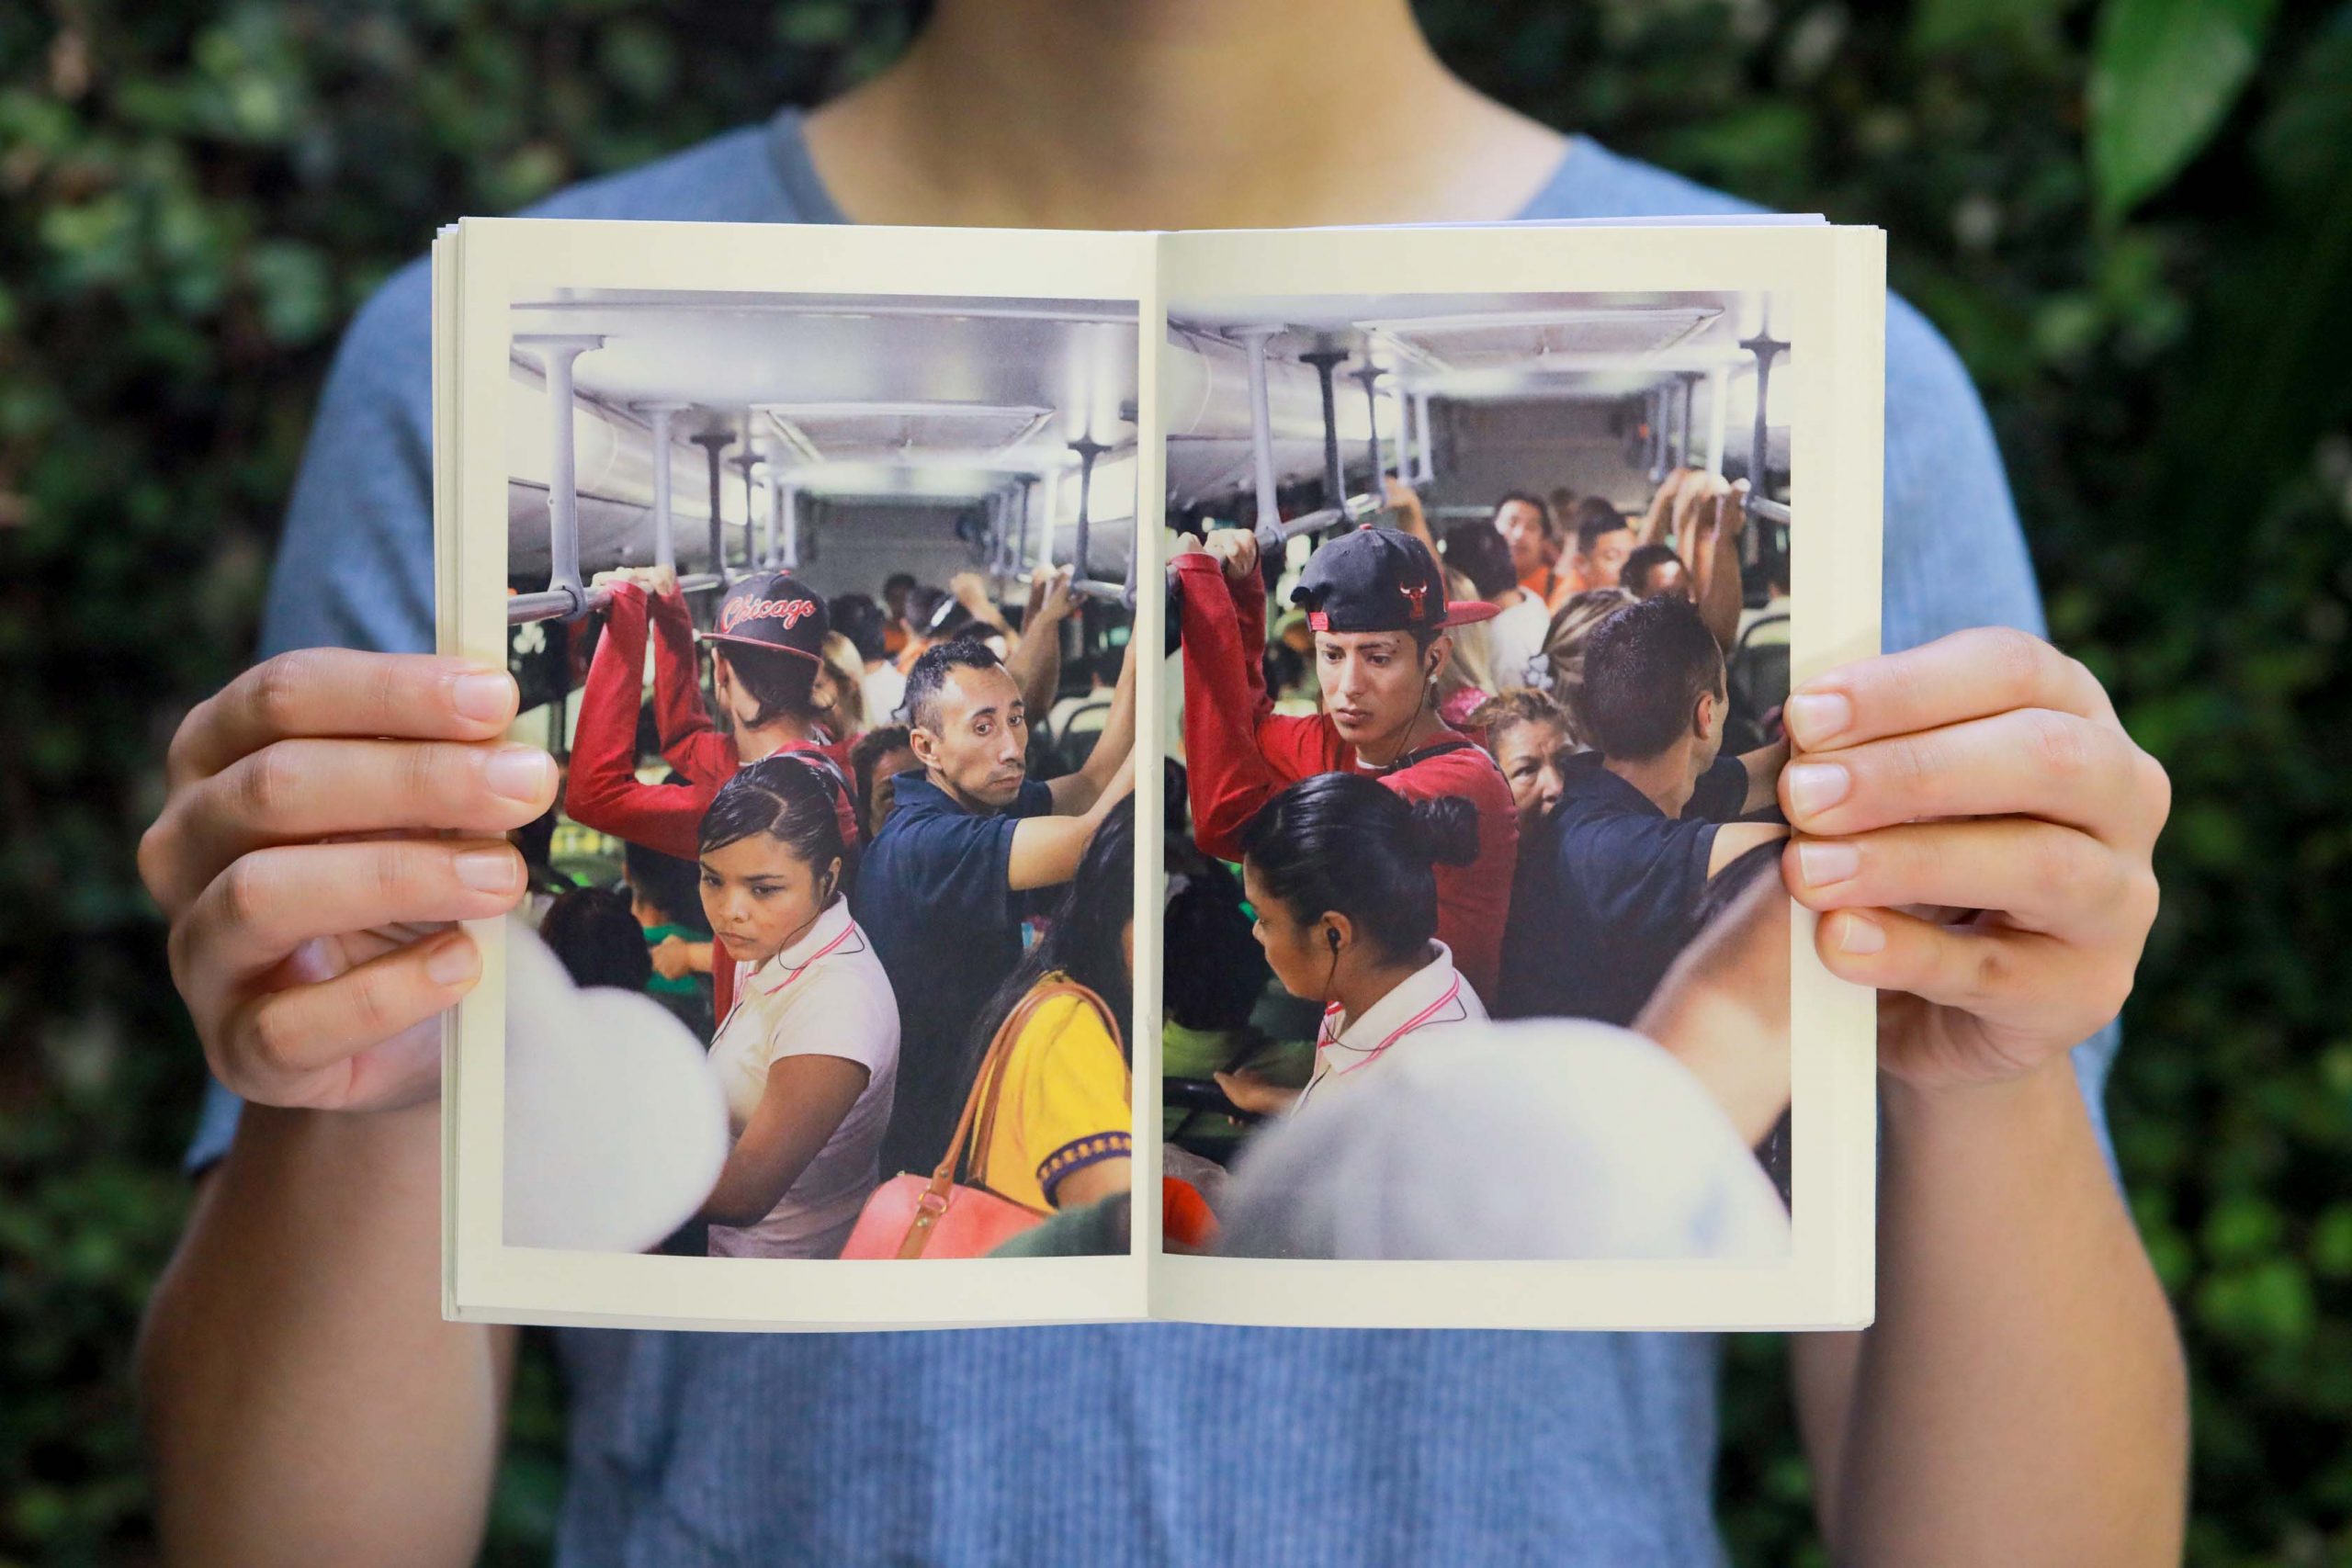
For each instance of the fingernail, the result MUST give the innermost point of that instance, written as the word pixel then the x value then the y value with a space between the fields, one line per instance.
pixel 1825 862
pixel 519 772
pixel 1817 717
pixel 482 697
pixel 488 871
pixel 453 962
pixel 1860 934
pixel 1817 786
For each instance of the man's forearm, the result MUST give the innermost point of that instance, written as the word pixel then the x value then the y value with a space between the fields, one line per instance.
pixel 2021 1397
pixel 303 1399
pixel 1035 665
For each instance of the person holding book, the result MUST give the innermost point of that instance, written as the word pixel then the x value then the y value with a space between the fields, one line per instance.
pixel 949 881
pixel 1338 870
pixel 1063 1135
pixel 1642 821
pixel 807 1060
pixel 1377 601
pixel 1968 1424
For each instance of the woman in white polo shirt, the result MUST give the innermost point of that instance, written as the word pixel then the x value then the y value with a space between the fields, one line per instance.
pixel 1339 869
pixel 809 1056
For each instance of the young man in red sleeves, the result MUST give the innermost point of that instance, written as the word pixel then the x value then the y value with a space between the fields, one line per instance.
pixel 767 645
pixel 1376 604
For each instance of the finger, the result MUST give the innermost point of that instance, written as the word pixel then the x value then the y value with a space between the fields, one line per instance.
pixel 345 1042
pixel 291 791
pixel 1969 674
pixel 269 903
pixel 2030 763
pixel 2026 979
pixel 336 691
pixel 2041 877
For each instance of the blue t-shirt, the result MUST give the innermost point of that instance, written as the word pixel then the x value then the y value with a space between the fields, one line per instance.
pixel 1611 893
pixel 1164 1443
pixel 932 896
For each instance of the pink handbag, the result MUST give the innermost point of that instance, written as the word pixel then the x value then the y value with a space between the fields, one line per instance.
pixel 912 1216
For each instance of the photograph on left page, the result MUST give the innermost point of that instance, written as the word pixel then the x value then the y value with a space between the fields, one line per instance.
pixel 823 603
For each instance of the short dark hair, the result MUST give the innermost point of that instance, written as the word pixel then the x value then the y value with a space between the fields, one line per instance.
pixel 930 674
pixel 1346 842
pixel 1542 510
pixel 1596 517
pixel 1643 559
pixel 598 941
pixel 898 580
pixel 1644 668
pixel 1478 553
pixel 792 797
pixel 866 755
pixel 673 887
pixel 778 679
pixel 863 622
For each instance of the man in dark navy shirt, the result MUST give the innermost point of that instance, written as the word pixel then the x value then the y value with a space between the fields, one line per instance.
pixel 942 890
pixel 1609 892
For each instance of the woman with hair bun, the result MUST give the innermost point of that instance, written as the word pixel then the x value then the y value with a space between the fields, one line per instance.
pixel 1339 869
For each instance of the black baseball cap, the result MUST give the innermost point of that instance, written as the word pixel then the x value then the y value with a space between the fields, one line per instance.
pixel 1378 579
pixel 774 610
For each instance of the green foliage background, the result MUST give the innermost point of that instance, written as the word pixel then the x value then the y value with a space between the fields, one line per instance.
pixel 2134 219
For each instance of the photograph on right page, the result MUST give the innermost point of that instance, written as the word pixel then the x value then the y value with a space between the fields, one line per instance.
pixel 1474 943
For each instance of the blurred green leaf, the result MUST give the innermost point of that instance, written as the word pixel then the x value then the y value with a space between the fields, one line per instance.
pixel 2164 74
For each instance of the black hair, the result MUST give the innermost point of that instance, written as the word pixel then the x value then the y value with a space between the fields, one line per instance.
pixel 863 622
pixel 1596 517
pixel 670 885
pixel 793 798
pixel 1216 970
pixel 865 756
pixel 778 679
pixel 905 580
pixel 1343 842
pixel 921 703
pixel 1644 668
pixel 1085 939
pixel 1480 554
pixel 599 942
pixel 1543 511
pixel 1639 564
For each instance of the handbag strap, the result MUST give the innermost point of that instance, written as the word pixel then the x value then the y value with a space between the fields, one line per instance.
pixel 983 1137
pixel 979 1104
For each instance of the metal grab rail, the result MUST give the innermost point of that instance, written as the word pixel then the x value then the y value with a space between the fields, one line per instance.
pixel 1766 510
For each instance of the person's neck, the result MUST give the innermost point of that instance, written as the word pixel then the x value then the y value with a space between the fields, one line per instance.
pixel 1364 989
pixel 753 745
pixel 970 804
pixel 1427 726
pixel 1205 115
pixel 1667 780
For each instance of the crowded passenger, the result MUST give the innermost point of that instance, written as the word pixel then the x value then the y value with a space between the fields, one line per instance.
pixel 1527 732
pixel 879 756
pixel 1527 524
pixel 1378 609
pixel 1515 637
pixel 807 1061
pixel 1603 541
pixel 1609 897
pixel 1564 643
pixel 1060 1136
pixel 960 861
pixel 1652 569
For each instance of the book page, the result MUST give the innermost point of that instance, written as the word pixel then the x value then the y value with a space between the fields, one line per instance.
pixel 812 550
pixel 1494 553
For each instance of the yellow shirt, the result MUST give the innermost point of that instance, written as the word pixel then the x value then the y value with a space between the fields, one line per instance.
pixel 1064 1105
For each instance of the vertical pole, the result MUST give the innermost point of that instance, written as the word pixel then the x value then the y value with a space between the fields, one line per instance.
pixel 1335 483
pixel 768 487
pixel 1689 379
pixel 1718 416
pixel 1426 469
pixel 1261 424
pixel 714 442
pixel 1369 375
pixel 1088 450
pixel 556 353
pixel 790 558
pixel 665 541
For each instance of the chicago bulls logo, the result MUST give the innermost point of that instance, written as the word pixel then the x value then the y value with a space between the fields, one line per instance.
pixel 1415 593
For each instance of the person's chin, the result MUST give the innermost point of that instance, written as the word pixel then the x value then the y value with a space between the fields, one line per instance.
pixel 743 951
pixel 1002 793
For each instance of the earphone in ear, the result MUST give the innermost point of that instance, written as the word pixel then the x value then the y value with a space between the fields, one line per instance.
pixel 1331 937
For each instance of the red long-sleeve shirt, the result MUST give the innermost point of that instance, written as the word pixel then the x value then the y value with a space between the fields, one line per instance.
pixel 1239 753
pixel 602 789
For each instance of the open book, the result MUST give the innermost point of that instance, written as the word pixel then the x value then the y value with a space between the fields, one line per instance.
pixel 1224 776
